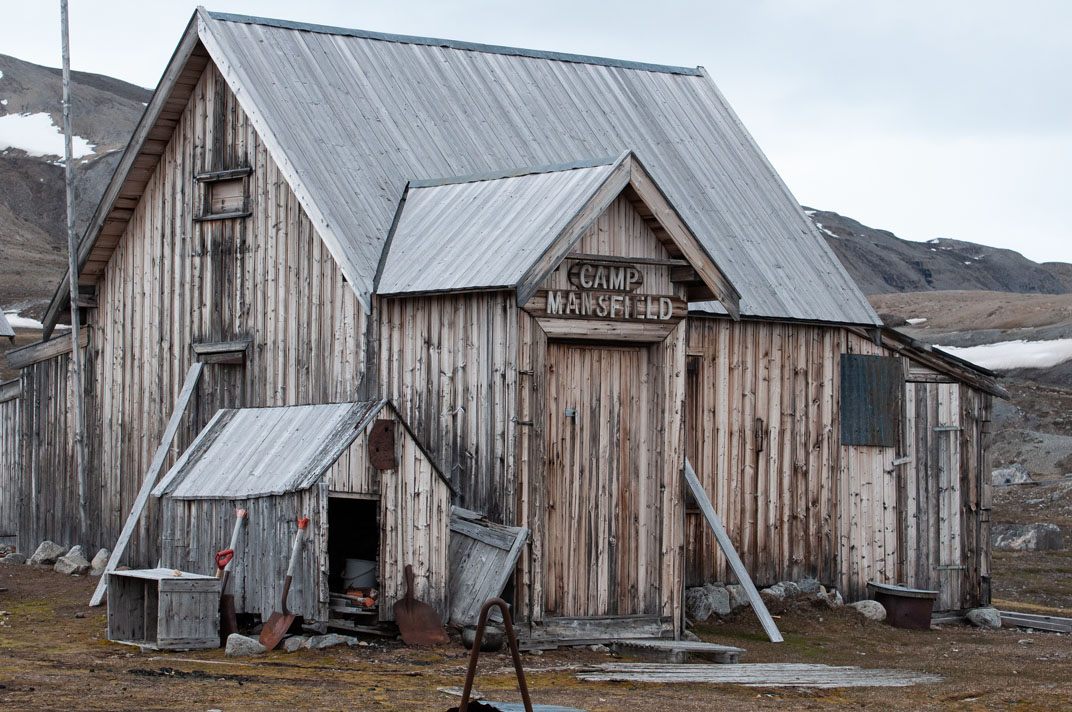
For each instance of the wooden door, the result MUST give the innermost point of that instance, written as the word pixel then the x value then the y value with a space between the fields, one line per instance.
pixel 602 554
pixel 932 521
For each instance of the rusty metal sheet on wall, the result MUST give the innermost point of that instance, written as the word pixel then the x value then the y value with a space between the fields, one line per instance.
pixel 381 445
pixel 871 388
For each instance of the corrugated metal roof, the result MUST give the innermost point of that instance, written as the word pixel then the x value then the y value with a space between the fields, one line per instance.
pixel 480 234
pixel 351 117
pixel 255 452
pixel 5 326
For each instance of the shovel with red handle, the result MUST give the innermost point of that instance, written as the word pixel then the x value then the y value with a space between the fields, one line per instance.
pixel 279 622
pixel 228 619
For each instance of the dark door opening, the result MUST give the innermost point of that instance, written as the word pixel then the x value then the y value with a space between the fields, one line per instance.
pixel 353 544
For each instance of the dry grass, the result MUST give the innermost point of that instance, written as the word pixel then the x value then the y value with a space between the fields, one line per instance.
pixel 53 660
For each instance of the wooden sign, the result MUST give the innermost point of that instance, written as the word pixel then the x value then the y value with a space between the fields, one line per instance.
pixel 610 276
pixel 613 306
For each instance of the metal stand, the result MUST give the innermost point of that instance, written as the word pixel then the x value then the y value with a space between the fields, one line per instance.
pixel 511 639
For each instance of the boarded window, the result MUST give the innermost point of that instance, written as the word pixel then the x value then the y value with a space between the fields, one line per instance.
pixel 871 388
pixel 224 194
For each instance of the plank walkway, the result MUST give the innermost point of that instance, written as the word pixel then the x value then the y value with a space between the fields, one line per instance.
pixel 757 675
pixel 677 651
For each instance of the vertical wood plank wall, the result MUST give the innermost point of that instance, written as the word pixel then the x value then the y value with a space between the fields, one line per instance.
pixel 193 530
pixel 805 505
pixel 173 281
pixel 9 458
pixel 449 364
pixel 414 530
pixel 47 491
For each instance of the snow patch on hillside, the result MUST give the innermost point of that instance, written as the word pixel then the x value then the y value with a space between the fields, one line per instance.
pixel 1015 354
pixel 38 136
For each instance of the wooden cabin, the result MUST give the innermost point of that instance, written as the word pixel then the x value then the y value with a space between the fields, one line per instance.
pixel 564 273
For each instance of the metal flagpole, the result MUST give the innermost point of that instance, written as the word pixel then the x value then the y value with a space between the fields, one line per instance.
pixel 72 271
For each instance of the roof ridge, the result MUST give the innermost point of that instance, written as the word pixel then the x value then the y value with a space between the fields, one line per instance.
pixel 454 44
pixel 513 173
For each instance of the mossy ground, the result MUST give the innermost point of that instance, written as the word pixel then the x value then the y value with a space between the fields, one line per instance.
pixel 52 660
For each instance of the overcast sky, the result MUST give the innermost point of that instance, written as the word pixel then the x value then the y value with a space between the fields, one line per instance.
pixel 938 118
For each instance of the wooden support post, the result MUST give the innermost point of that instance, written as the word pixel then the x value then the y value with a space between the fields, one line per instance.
pixel 731 554
pixel 81 465
pixel 188 387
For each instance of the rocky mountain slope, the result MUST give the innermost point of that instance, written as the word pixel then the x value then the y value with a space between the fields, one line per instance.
pixel 882 263
pixel 33 237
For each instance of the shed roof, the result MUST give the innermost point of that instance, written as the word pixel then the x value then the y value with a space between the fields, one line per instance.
pixel 351 117
pixel 5 326
pixel 256 452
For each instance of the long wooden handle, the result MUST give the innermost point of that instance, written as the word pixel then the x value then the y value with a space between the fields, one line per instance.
pixel 239 519
pixel 293 565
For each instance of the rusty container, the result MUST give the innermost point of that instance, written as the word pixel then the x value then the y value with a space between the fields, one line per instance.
pixel 905 607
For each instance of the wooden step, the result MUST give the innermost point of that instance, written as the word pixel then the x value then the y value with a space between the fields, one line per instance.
pixel 677 651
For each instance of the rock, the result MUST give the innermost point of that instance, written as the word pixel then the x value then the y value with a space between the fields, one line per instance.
pixel 985 618
pixel 99 563
pixel 294 643
pixel 872 610
pixel 494 637
pixel 738 596
pixel 1015 474
pixel 80 614
pixel 704 601
pixel 599 648
pixel 835 596
pixel 320 642
pixel 47 554
pixel 809 586
pixel 72 565
pixel 76 550
pixel 1041 536
pixel 775 592
pixel 690 636
pixel 792 590
pixel 239 646
pixel 14 559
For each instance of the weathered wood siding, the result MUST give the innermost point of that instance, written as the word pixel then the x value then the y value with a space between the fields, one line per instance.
pixel 764 436
pixel 173 281
pixel 449 364
pixel 414 529
pixel 47 499
pixel 193 530
pixel 9 460
pixel 946 534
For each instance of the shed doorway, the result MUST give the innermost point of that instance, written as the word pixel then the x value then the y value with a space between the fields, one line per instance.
pixel 354 557
pixel 603 487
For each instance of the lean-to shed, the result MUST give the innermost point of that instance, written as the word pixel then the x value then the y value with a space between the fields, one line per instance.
pixel 371 494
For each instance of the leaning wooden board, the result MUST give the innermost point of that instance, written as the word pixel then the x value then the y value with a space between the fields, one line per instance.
pixel 157 464
pixel 731 554
pixel 482 558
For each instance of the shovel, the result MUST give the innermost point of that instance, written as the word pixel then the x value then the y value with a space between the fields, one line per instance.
pixel 418 622
pixel 279 622
pixel 228 620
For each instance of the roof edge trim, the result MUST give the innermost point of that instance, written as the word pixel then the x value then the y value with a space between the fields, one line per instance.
pixel 454 44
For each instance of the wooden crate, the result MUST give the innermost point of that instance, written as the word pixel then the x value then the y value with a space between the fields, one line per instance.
pixel 164 609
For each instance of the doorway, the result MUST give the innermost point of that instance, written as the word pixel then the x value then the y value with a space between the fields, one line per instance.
pixel 603 526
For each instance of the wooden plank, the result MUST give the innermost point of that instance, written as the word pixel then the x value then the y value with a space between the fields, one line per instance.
pixel 43 350
pixel 757 675
pixel 731 555
pixel 142 499
pixel 482 559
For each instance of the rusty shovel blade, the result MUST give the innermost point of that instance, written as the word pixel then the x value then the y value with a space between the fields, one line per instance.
pixel 418 622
